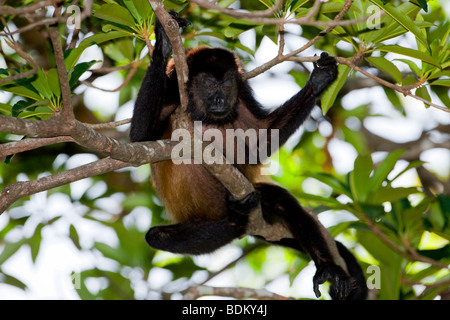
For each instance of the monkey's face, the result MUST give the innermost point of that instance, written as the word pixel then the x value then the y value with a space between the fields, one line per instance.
pixel 217 97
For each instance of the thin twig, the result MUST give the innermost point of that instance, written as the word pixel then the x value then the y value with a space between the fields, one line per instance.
pixel 279 59
pixel 393 246
pixel 124 83
pixel 9 148
pixel 67 112
pixel 239 14
pixel 108 125
pixel 254 17
pixel 19 75
pixel 404 90
pixel 5 10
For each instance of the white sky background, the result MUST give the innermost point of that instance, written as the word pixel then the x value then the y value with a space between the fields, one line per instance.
pixel 50 278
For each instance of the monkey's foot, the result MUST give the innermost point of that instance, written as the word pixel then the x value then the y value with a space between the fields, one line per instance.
pixel 342 284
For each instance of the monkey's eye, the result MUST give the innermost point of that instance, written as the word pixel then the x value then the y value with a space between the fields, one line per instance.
pixel 210 83
pixel 228 84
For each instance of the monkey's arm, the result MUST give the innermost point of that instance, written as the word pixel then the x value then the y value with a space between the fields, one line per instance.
pixel 147 122
pixel 147 109
pixel 293 112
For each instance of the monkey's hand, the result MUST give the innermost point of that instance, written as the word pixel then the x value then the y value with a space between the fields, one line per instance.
pixel 342 284
pixel 162 41
pixel 324 73
pixel 239 209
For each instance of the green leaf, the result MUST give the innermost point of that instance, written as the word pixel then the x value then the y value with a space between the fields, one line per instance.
pixel 12 281
pixel 386 66
pixel 143 8
pixel 393 97
pixel 337 185
pixel 409 79
pixel 35 242
pixel 73 55
pixel 121 51
pixel 390 28
pixel 78 70
pixel 390 264
pixel 359 177
pixel 441 82
pixel 355 139
pixel 232 31
pixel 331 202
pixel 380 174
pixel 412 66
pixel 5 109
pixel 404 20
pixel 442 94
pixel 9 249
pixel 133 10
pixel 423 93
pixel 23 105
pixel 73 235
pixel 423 4
pixel 41 85
pixel 115 13
pixel 53 81
pixel 410 53
pixel 389 194
pixel 21 91
pixel 329 96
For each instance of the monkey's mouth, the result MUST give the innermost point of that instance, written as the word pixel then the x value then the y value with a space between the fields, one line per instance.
pixel 219 113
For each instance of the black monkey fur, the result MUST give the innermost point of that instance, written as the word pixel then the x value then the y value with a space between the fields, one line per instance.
pixel 206 216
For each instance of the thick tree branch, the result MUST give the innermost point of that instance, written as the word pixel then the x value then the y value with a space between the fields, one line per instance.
pixel 133 153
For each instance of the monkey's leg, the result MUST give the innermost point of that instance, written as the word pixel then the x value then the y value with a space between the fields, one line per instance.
pixel 279 205
pixel 199 237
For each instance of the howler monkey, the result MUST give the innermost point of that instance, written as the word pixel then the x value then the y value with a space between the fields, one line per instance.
pixel 206 215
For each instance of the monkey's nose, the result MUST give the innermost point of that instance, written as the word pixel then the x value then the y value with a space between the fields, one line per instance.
pixel 220 101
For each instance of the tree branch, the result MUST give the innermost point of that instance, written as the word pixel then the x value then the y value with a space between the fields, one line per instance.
pixel 67 112
pixel 411 254
pixel 5 10
pixel 238 293
pixel 261 18
pixel 406 90
pixel 10 148
pixel 281 58
pixel 172 30
pixel 21 189
pixel 120 87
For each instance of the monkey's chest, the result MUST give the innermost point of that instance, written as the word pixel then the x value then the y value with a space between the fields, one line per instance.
pixel 189 191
